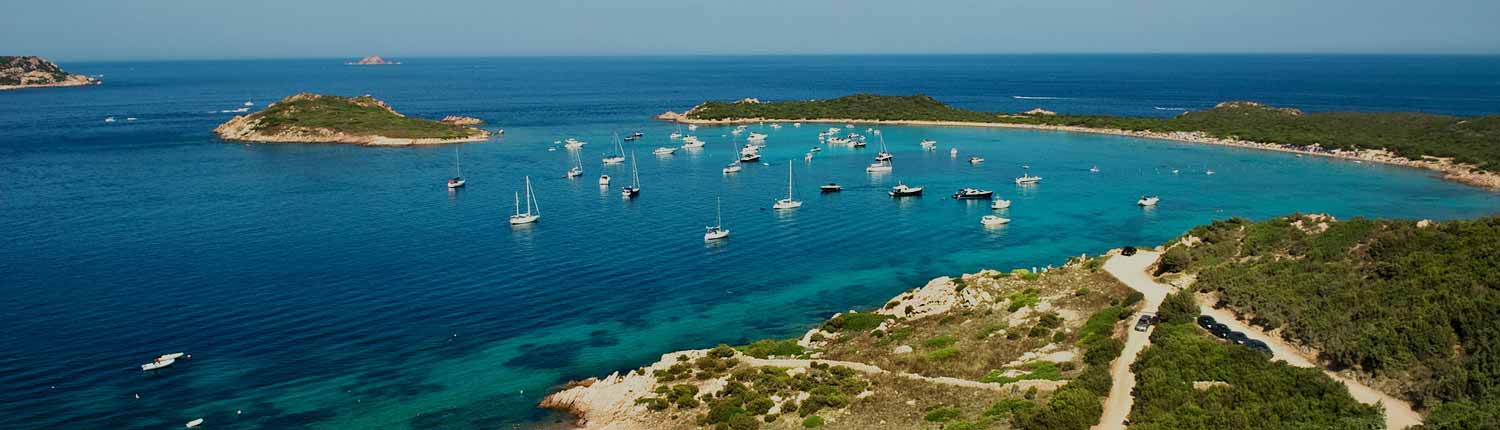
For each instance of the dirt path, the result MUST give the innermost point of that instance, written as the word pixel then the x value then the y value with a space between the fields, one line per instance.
pixel 1398 413
pixel 1131 271
pixel 1044 385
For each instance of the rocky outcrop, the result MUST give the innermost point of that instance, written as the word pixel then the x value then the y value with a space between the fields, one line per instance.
pixel 258 127
pixel 373 60
pixel 461 120
pixel 1039 111
pixel 37 72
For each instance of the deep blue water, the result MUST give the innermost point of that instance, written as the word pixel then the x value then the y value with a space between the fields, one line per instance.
pixel 328 286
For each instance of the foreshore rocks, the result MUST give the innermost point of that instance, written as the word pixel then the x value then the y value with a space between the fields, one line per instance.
pixel 461 120
pixel 37 72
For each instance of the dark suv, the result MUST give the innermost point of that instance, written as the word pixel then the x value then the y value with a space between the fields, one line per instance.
pixel 1145 322
pixel 1258 346
pixel 1206 321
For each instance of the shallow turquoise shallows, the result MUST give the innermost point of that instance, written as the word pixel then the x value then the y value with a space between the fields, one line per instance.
pixel 342 287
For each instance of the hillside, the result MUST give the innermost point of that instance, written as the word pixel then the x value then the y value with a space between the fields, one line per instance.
pixel 1411 306
pixel 36 72
pixel 1471 141
pixel 332 119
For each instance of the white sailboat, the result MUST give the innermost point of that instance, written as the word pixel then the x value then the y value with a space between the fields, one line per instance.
pixel 879 167
pixel 577 169
pixel 533 209
pixel 457 181
pixel 717 231
pixel 788 202
pixel 619 156
pixel 885 154
pixel 635 181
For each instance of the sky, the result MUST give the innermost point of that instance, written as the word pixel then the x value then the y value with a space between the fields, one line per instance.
pixel 82 30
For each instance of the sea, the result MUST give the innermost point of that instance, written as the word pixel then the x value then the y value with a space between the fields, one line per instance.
pixel 321 286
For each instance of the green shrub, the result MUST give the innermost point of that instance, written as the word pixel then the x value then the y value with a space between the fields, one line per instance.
pixel 855 321
pixel 766 347
pixel 1132 298
pixel 1178 307
pixel 943 414
pixel 943 341
pixel 812 422
pixel 1174 260
pixel 942 354
pixel 988 329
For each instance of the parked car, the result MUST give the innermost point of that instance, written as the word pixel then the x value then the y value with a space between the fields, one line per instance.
pixel 1237 337
pixel 1258 346
pixel 1220 330
pixel 1145 322
pixel 1206 321
pixel 1127 251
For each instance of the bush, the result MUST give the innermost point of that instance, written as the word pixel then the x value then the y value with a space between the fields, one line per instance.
pixel 943 341
pixel 855 321
pixel 1174 260
pixel 766 347
pixel 1132 298
pixel 1178 307
pixel 943 414
pixel 812 422
pixel 744 422
pixel 942 354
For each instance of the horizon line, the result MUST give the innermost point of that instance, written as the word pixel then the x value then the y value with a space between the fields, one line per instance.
pixel 763 55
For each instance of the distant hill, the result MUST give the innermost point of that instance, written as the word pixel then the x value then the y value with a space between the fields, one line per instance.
pixel 36 72
pixel 316 118
pixel 373 60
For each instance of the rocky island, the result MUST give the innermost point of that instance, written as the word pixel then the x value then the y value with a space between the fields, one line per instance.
pixel 363 120
pixel 37 72
pixel 373 60
pixel 1462 149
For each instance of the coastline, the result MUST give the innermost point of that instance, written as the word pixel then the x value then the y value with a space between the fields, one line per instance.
pixel 70 82
pixel 1461 173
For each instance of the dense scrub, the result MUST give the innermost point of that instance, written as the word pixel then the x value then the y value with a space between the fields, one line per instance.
pixel 1417 308
pixel 354 115
pixel 1250 392
pixel 1413 135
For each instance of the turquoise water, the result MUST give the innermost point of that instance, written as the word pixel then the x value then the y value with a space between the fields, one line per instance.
pixel 327 286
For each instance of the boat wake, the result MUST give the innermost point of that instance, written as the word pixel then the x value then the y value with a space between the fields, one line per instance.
pixel 1177 109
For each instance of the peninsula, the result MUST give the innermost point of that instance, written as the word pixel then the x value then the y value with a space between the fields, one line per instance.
pixel 1466 150
pixel 37 72
pixel 314 118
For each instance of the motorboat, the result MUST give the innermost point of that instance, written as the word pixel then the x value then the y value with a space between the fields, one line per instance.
pixel 952 152
pixel 572 143
pixel 831 188
pixel 574 172
pixel 1148 200
pixel 630 138
pixel 815 149
pixel 675 135
pixel 533 210
pixel 756 137
pixel 796 124
pixel 973 194
pixel 1028 179
pixel 664 150
pixel 901 190
pixel 604 180
pixel 1000 204
pixel 929 144
pixel 788 202
pixel 880 167
pixel 1094 169
pixel 197 422
pixel 775 125
pixel 976 160
pixel 1210 172
pixel 637 135
pixel 749 158
pixel 993 220
pixel 691 142
pixel 163 360
pixel 692 127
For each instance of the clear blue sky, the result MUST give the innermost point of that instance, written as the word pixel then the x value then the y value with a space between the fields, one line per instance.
pixel 161 29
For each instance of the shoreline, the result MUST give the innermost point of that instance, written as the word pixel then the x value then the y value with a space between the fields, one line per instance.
pixel 1461 173
pixel 66 83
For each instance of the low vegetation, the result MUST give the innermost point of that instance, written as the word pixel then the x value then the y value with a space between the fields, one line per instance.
pixel 353 115
pixel 1410 305
pixel 1473 140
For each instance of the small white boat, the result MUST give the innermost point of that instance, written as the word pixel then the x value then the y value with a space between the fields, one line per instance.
pixel 716 231
pixel 880 167
pixel 619 156
pixel 807 157
pixel 675 136
pixel 533 210
pixel 976 160
pixel 733 168
pixel 992 220
pixel 197 422
pixel 952 152
pixel 575 172
pixel 552 149
pixel 1000 204
pixel 929 144
pixel 973 194
pixel 756 137
pixel 130 119
pixel 831 188
pixel 1094 169
pixel 849 126
pixel 692 127
pixel 750 158
pixel 857 143
pixel 604 180
pixel 1210 172
pixel 884 154
pixel 572 143
pixel 691 142
pixel 1028 179
pixel 788 202
pixel 815 149
pixel 109 119
pixel 1175 171
pixel 796 124
pixel 1148 200
pixel 158 363
pixel 775 125
pixel 249 103
pixel 664 151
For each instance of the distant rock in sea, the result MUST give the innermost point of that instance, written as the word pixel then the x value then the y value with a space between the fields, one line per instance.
pixel 363 120
pixel 37 72
pixel 461 120
pixel 373 60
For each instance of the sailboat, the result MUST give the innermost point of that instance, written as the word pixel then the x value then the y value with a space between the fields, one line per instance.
pixel 619 156
pixel 716 231
pixel 457 181
pixel 577 169
pixel 533 209
pixel 788 202
pixel 635 181
pixel 884 155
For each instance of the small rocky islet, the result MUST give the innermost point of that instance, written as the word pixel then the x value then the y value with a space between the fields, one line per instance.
pixel 363 120
pixel 17 72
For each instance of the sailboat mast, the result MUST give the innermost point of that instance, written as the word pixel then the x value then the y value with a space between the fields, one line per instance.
pixel 457 167
pixel 789 179
pixel 518 203
pixel 529 196
pixel 718 214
